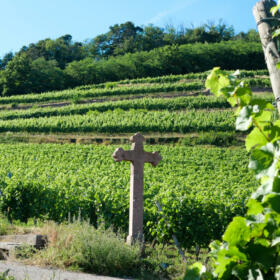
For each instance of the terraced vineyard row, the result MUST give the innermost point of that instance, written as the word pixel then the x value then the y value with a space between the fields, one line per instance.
pixel 119 121
pixel 201 189
pixel 118 89
pixel 174 78
pixel 77 94
pixel 171 104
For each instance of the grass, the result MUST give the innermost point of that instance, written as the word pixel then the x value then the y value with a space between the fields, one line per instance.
pixel 5 276
pixel 80 247
pixel 17 227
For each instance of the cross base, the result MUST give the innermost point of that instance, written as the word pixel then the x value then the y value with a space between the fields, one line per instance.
pixel 133 239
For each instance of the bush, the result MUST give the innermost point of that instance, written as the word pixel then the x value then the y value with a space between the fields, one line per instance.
pixel 80 245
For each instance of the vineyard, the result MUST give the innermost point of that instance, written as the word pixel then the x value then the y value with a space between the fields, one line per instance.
pixel 201 188
pixel 53 182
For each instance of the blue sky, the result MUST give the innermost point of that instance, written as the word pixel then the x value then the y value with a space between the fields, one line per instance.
pixel 27 21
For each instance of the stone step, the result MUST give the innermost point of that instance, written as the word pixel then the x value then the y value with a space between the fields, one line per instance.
pixel 9 243
pixel 36 240
pixel 9 246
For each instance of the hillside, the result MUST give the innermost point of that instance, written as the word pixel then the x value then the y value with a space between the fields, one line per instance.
pixel 167 106
pixel 25 74
pixel 167 110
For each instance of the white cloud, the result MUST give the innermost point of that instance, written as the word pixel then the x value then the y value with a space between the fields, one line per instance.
pixel 158 17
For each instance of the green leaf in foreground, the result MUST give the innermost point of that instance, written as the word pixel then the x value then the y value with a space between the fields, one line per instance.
pixel 274 9
pixel 272 201
pixel 195 271
pixel 255 139
pixel 237 232
pixel 262 161
pixel 217 81
pixel 244 95
pixel 244 120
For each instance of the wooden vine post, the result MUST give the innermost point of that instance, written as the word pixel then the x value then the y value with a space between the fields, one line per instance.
pixel 266 22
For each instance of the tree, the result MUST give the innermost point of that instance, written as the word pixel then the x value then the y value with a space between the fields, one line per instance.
pixel 5 60
pixel 210 33
pixel 167 60
pixel 16 78
pixel 152 37
pixel 46 75
pixel 253 36
pixel 82 72
pixel 63 50
pixel 119 40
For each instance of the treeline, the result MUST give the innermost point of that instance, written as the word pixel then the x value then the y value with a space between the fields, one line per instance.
pixel 127 51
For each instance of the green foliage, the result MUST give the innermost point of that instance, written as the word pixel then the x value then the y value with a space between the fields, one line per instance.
pixel 250 247
pixel 22 75
pixel 80 246
pixel 51 60
pixel 119 121
pixel 97 93
pixel 143 86
pixel 156 104
pixel 275 9
pixel 221 139
pixel 103 252
pixel 16 78
pixel 46 75
pixel 62 50
pixel 5 276
pixel 51 181
pixel 110 85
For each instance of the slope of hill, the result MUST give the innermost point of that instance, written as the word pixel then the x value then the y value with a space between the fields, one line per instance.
pixel 57 180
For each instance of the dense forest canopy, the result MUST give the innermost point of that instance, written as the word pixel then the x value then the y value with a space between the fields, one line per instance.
pixel 127 51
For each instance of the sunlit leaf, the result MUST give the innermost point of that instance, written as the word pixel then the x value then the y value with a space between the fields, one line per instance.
pixel 237 232
pixel 244 120
pixel 256 138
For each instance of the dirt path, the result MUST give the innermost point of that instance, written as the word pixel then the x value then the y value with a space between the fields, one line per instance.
pixel 23 272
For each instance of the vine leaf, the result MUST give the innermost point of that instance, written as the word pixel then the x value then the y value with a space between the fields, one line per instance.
pixel 262 161
pixel 237 232
pixel 195 271
pixel 263 190
pixel 254 207
pixel 217 81
pixel 274 9
pixel 244 95
pixel 255 274
pixel 255 139
pixel 272 201
pixel 261 254
pixel 244 120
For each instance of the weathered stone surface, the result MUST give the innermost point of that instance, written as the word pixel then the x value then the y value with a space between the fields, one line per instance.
pixel 137 156
pixel 35 240
pixel 24 272
pixel 9 243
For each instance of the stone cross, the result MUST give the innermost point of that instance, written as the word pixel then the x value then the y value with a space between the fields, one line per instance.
pixel 137 156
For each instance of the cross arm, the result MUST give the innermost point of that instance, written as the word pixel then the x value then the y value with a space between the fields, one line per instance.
pixel 120 154
pixel 153 158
